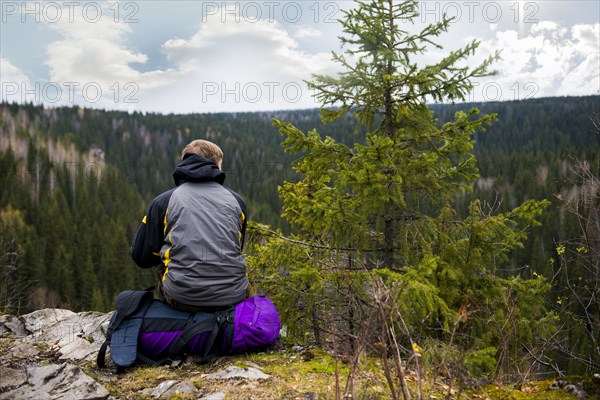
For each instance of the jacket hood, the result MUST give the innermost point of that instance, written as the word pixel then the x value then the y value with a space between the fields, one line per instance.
pixel 195 168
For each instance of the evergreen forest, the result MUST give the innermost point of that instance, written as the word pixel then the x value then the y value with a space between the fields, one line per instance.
pixel 67 223
pixel 466 233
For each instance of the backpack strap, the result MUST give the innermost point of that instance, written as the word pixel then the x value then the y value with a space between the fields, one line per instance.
pixel 229 327
pixel 224 317
pixel 101 358
pixel 128 303
pixel 193 329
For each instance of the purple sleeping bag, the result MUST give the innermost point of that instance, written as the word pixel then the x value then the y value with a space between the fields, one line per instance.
pixel 255 326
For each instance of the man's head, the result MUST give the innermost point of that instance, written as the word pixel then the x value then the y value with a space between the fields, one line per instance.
pixel 205 149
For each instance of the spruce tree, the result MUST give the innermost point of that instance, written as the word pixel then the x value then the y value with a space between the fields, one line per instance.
pixel 375 222
pixel 409 166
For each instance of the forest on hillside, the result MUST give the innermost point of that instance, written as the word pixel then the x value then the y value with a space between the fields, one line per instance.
pixel 75 183
pixel 460 237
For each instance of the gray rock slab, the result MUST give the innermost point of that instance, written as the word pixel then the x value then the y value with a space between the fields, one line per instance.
pixel 11 378
pixel 58 381
pixel 160 389
pixel 21 349
pixel 234 372
pixel 78 337
pixel 184 387
pixel 170 388
pixel 214 396
pixel 42 321
pixel 9 324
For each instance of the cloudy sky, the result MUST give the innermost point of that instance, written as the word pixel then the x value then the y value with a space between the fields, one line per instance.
pixel 211 56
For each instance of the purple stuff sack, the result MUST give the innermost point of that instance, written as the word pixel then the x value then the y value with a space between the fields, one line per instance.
pixel 256 325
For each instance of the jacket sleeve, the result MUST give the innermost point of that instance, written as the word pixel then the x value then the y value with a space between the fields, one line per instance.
pixel 243 217
pixel 244 223
pixel 149 238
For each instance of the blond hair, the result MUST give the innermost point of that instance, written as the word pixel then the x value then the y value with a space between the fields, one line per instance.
pixel 205 149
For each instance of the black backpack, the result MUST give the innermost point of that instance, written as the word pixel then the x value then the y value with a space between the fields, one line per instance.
pixel 168 332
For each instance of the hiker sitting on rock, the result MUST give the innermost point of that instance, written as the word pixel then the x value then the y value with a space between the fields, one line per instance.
pixel 195 232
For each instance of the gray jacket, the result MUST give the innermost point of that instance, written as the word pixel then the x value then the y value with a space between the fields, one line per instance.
pixel 196 230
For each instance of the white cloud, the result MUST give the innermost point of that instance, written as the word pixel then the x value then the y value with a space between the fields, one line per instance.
pixel 545 26
pixel 244 65
pixel 584 76
pixel 249 64
pixel 224 66
pixel 307 32
pixel 93 63
pixel 13 82
pixel 549 60
pixel 11 73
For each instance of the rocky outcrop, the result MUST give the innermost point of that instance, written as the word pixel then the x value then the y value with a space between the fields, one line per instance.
pixel 75 337
pixel 39 352
pixel 55 381
pixel 42 354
